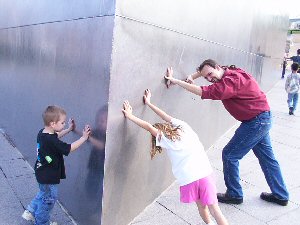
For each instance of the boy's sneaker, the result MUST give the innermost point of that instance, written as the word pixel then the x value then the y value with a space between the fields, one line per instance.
pixel 28 216
pixel 291 111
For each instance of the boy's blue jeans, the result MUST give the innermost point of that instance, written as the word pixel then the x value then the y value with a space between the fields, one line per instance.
pixel 43 203
pixel 252 134
pixel 293 100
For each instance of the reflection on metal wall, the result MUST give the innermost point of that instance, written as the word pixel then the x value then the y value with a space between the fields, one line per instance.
pixel 52 52
pixel 48 55
pixel 148 37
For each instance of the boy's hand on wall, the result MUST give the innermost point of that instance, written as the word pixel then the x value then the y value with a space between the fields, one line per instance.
pixel 72 124
pixel 86 132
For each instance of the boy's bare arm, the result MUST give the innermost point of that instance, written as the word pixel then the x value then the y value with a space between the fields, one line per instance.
pixel 94 141
pixel 69 129
pixel 162 114
pixel 85 136
pixel 127 110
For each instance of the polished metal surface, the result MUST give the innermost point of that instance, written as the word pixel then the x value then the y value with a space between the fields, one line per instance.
pixel 27 12
pixel 67 64
pixel 148 37
pixel 83 57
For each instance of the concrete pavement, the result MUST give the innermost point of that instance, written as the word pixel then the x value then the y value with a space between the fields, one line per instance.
pixel 18 185
pixel 285 134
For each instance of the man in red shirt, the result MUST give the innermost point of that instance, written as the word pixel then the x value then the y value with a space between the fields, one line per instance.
pixel 243 99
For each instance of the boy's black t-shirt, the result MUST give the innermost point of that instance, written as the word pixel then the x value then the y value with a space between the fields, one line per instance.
pixel 49 170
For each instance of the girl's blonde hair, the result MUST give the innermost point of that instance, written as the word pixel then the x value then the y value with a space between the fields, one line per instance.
pixel 171 132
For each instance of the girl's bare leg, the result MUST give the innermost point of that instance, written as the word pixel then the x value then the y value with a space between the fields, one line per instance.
pixel 204 213
pixel 215 211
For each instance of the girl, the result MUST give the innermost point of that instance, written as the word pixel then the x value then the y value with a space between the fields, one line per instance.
pixel 190 164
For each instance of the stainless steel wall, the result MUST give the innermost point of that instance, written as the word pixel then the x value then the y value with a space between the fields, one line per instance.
pixel 27 12
pixel 148 37
pixel 84 56
pixel 59 52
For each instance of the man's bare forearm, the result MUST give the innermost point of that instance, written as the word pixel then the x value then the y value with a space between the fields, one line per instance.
pixel 195 75
pixel 189 87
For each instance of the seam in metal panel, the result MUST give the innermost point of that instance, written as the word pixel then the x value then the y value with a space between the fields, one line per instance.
pixel 57 21
pixel 190 35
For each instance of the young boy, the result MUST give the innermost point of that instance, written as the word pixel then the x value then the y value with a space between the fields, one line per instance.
pixel 292 85
pixel 49 167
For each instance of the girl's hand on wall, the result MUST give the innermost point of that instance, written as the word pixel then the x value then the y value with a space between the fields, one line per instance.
pixel 147 97
pixel 127 109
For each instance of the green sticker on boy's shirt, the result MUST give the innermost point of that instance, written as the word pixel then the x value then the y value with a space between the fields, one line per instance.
pixel 48 158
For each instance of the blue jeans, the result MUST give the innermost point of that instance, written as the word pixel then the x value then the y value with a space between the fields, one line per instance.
pixel 43 203
pixel 252 134
pixel 292 100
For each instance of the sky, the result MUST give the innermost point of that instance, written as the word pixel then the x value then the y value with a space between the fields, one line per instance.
pixel 293 8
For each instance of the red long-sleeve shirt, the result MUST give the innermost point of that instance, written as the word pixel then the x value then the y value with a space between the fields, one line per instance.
pixel 239 93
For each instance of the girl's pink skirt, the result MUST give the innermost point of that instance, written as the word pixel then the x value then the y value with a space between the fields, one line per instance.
pixel 203 190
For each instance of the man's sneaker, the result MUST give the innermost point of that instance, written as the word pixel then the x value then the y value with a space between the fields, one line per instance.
pixel 269 197
pixel 291 111
pixel 28 216
pixel 225 198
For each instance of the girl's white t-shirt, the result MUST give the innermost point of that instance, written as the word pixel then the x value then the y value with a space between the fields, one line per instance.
pixel 188 158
